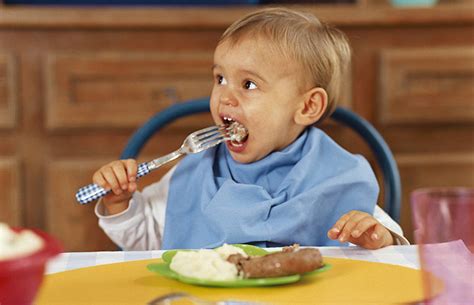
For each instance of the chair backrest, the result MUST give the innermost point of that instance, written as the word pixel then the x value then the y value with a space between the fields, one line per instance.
pixel 383 154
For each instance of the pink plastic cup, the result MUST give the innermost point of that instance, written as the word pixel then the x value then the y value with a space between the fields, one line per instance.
pixel 20 278
pixel 443 219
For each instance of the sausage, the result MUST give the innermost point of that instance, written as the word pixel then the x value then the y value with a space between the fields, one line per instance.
pixel 288 262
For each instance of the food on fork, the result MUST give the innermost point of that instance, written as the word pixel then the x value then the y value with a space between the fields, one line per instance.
pixel 17 244
pixel 238 132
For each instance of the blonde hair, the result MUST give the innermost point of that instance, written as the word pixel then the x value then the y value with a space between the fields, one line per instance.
pixel 322 51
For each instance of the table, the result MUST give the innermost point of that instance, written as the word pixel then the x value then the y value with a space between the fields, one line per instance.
pixel 384 276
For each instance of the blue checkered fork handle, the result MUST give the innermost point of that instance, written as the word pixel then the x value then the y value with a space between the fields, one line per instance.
pixel 92 192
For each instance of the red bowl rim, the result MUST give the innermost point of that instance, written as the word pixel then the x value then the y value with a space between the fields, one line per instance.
pixel 51 247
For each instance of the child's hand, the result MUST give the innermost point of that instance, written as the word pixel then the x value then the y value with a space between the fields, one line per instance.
pixel 120 177
pixel 361 229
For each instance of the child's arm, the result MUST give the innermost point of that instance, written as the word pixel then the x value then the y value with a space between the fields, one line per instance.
pixel 361 229
pixel 141 225
pixel 120 177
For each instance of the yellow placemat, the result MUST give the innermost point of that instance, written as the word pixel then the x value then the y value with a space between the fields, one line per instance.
pixel 347 282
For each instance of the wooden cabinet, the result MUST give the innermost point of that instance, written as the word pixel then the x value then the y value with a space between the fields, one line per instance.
pixel 76 82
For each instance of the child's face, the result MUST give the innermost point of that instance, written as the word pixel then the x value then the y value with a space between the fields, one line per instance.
pixel 259 89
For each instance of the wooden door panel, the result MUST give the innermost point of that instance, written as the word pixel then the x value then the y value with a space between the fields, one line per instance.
pixel 11 194
pixel 432 170
pixel 8 90
pixel 431 85
pixel 121 89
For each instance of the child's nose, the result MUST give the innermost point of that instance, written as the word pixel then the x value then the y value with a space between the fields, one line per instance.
pixel 228 99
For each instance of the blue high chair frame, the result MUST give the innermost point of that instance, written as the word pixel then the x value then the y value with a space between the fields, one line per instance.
pixel 372 137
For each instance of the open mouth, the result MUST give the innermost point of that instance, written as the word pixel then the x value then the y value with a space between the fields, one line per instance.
pixel 237 132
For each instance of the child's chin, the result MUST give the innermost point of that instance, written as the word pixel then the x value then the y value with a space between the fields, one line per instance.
pixel 243 158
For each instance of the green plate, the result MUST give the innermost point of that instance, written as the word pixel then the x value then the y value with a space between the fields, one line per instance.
pixel 164 270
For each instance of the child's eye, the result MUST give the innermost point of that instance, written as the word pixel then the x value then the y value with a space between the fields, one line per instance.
pixel 221 80
pixel 249 85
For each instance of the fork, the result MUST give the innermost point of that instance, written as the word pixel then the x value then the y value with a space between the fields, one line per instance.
pixel 164 300
pixel 195 142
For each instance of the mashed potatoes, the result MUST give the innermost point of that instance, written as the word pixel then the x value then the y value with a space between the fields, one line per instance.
pixel 13 244
pixel 238 132
pixel 207 264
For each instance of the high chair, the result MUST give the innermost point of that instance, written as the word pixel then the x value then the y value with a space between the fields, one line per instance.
pixel 382 153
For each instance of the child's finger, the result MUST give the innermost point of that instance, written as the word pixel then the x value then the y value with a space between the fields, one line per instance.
pixel 132 167
pixel 334 232
pixel 381 235
pixel 120 175
pixel 350 225
pixel 98 179
pixel 337 227
pixel 363 225
pixel 109 176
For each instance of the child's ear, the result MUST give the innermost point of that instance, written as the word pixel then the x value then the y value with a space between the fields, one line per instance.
pixel 312 107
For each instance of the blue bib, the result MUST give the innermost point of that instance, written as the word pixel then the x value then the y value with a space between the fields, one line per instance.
pixel 291 196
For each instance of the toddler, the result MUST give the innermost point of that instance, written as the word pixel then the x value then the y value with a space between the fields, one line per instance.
pixel 277 72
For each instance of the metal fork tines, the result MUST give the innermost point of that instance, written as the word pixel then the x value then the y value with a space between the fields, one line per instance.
pixel 194 143
pixel 167 297
pixel 165 300
pixel 205 138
